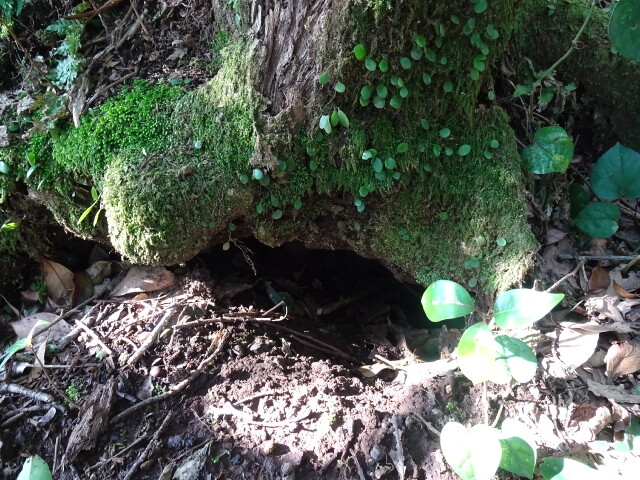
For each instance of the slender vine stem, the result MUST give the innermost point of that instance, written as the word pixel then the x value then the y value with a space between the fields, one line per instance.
pixel 572 47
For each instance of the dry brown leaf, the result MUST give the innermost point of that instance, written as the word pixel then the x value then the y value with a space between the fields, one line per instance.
pixel 30 296
pixel 613 392
pixel 576 347
pixel 622 359
pixel 599 280
pixel 23 327
pixel 144 279
pixel 13 309
pixel 605 306
pixel 619 289
pixel 36 371
pixel 82 288
pixel 58 279
pixel 554 235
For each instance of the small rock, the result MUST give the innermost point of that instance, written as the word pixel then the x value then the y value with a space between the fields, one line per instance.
pixel 288 471
pixel 437 413
pixel 378 453
pixel 174 441
pixel 146 466
pixel 268 447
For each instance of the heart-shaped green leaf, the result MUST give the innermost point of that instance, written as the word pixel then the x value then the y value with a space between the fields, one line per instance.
pixel 35 468
pixel 445 299
pixel 555 468
pixel 624 28
pixel 517 457
pixel 616 173
pixel 523 306
pixel 598 219
pixel 473 454
pixel 477 351
pixel 551 152
pixel 514 359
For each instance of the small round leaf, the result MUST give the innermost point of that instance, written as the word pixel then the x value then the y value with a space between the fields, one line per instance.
pixel 473 454
pixel 477 352
pixel 522 306
pixel 445 299
pixel 360 51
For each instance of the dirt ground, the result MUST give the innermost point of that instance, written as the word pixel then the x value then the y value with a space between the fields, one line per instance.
pixel 260 363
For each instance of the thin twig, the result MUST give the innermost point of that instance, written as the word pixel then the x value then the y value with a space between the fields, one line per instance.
pixel 427 424
pixel 597 258
pixel 567 276
pixel 153 335
pixel 20 390
pixel 95 336
pixel 66 314
pixel 150 447
pixel 222 343
pixel 110 86
pixel 229 409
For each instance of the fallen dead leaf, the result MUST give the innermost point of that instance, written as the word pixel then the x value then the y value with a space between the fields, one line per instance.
pixel 144 279
pixel 554 235
pixel 605 306
pixel 575 347
pixel 599 280
pixel 56 332
pixel 58 279
pixel 619 289
pixel 30 296
pixel 613 392
pixel 82 288
pixel 622 359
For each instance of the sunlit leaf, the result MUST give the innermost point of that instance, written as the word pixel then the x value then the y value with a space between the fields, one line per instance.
pixel 477 352
pixel 556 468
pixel 523 306
pixel 473 454
pixel 551 151
pixel 35 468
pixel 514 359
pixel 445 299
pixel 517 457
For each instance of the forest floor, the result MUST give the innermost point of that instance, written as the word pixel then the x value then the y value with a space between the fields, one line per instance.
pixel 288 363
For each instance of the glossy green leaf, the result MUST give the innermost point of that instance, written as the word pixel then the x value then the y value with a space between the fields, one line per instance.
pixel 464 150
pixel 556 468
pixel 35 468
pixel 344 120
pixel 405 63
pixel 383 65
pixel 367 154
pixel 492 33
pixel 4 168
pixel 334 119
pixel 598 219
pixel 325 123
pixel 445 299
pixel 339 87
pixel 624 29
pixel 370 64
pixel 420 40
pixel 579 198
pixel 323 78
pixel 395 102
pixel 402 147
pixel 448 86
pixel 390 163
pixel 474 454
pixel 551 152
pixel 16 347
pixel 426 78
pixel 379 102
pixel 480 6
pixel 377 165
pixel 517 457
pixel 382 91
pixel 523 306
pixel 365 92
pixel 616 173
pixel 277 214
pixel 514 359
pixel 444 132
pixel 477 352
pixel 360 51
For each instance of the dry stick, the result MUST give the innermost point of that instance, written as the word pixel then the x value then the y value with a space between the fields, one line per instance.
pixel 567 276
pixel 150 447
pixel 599 258
pixel 95 336
pixel 399 461
pixel 66 314
pixel 180 386
pixel 358 467
pixel 90 14
pixel 54 385
pixel 153 336
pixel 111 85
pixel 429 426
pixel 20 390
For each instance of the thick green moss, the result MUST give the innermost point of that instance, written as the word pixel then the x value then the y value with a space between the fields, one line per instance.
pixel 164 208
